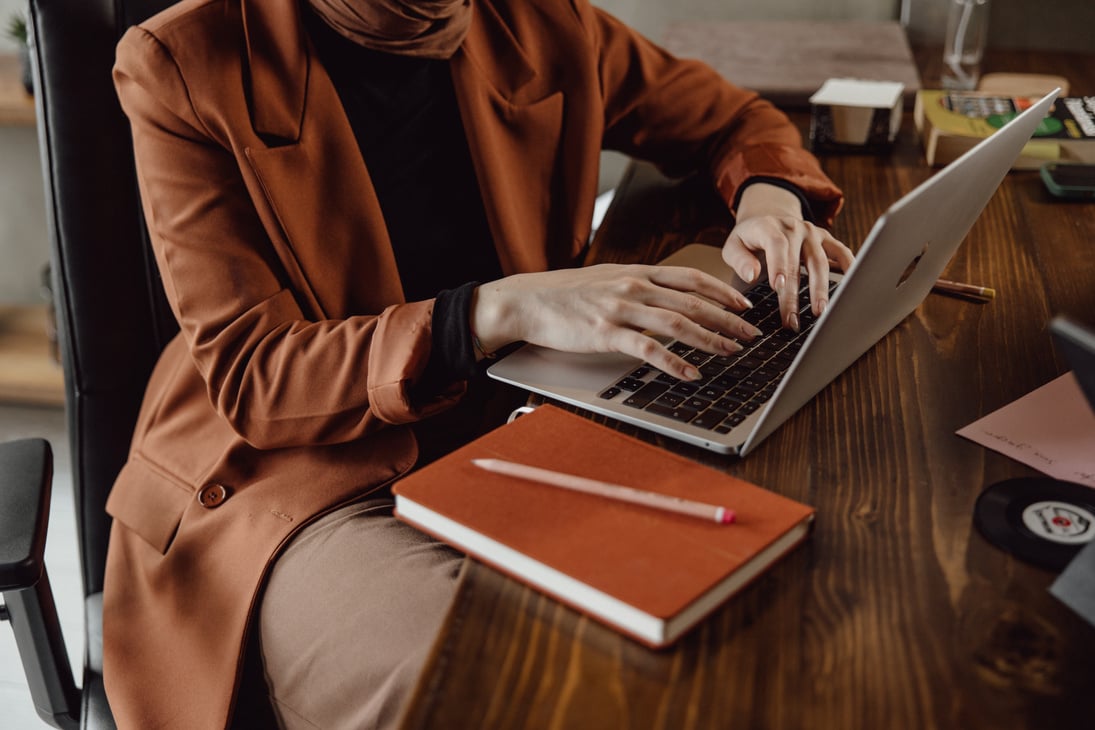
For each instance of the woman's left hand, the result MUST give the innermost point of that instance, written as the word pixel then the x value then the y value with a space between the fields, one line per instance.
pixel 769 223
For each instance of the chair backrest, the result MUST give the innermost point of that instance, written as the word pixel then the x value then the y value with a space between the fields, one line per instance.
pixel 113 319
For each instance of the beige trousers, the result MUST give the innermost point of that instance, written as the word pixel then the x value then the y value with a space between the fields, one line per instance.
pixel 349 613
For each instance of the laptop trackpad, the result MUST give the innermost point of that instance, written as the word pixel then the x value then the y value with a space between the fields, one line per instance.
pixel 540 367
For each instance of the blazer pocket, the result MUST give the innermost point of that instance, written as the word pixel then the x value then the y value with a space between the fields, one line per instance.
pixel 149 503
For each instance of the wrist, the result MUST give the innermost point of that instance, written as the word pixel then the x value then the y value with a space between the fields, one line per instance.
pixel 489 320
pixel 762 198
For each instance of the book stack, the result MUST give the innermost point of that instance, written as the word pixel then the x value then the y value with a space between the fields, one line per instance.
pixel 951 122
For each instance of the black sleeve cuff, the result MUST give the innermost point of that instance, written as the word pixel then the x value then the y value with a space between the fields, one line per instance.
pixel 807 212
pixel 452 357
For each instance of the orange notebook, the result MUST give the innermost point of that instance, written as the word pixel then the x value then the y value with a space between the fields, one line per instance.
pixel 649 573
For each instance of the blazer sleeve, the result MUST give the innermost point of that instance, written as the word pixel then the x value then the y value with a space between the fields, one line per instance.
pixel 277 372
pixel 683 116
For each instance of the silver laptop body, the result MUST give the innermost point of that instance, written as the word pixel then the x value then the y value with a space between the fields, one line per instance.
pixel 894 270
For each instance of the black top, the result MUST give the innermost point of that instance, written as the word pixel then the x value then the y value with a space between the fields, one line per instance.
pixel 405 118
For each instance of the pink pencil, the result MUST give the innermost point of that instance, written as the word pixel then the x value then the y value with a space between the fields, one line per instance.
pixel 721 515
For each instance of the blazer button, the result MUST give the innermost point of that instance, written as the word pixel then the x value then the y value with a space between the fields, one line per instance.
pixel 212 495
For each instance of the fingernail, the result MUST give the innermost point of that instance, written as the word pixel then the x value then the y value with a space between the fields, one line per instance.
pixel 779 282
pixel 821 304
pixel 752 331
pixel 752 274
pixel 793 321
pixel 748 304
pixel 691 373
pixel 730 347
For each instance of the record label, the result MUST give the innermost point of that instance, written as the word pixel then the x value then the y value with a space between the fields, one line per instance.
pixel 1060 522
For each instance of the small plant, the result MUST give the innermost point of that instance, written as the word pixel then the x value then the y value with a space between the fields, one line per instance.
pixel 17 28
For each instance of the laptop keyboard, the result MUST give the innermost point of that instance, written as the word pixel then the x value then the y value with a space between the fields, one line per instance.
pixel 731 387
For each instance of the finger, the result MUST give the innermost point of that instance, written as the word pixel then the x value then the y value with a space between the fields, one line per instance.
pixel 664 307
pixel 680 327
pixel 647 349
pixel 783 271
pixel 838 252
pixel 685 279
pixel 817 267
pixel 736 254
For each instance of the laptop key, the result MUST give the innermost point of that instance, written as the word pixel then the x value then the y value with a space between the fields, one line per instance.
pixel 752 384
pixel 631 384
pixel 709 419
pixel 728 403
pixel 766 374
pixel 684 415
pixel 753 315
pixel 685 388
pixel 738 371
pixel 711 369
pixel 644 395
pixel 724 383
pixel 697 404
pixel 610 393
pixel 664 377
pixel 670 399
pixel 782 361
pixel 749 363
pixel 711 392
pixel 697 357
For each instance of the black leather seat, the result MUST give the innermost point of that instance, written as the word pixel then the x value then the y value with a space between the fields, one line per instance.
pixel 113 321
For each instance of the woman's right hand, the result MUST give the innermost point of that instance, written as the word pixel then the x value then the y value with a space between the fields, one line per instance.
pixel 613 308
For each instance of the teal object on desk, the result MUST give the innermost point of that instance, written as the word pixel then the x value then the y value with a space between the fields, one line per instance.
pixel 1073 180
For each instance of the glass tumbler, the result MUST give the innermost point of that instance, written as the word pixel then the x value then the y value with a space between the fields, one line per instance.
pixel 964 44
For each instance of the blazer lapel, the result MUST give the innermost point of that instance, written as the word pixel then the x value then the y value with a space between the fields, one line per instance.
pixel 336 246
pixel 514 129
pixel 278 66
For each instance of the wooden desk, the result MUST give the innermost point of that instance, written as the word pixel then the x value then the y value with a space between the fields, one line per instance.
pixel 896 613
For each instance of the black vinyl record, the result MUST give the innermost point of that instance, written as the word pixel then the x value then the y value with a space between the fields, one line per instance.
pixel 1038 519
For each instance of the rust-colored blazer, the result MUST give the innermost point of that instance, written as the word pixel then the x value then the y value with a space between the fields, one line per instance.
pixel 286 392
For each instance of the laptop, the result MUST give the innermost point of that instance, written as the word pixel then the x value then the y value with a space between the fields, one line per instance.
pixel 739 402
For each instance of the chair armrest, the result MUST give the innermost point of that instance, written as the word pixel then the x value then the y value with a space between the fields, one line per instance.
pixel 26 471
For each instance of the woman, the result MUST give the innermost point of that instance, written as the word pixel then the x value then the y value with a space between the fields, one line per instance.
pixel 327 185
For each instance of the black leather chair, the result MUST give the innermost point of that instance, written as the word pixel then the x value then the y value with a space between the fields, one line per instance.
pixel 113 321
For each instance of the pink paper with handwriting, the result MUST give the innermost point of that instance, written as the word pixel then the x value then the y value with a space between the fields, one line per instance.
pixel 1051 429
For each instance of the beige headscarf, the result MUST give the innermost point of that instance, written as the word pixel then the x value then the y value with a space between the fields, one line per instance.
pixel 428 28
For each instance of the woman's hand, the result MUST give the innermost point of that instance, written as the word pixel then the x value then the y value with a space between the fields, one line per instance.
pixel 613 308
pixel 769 221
